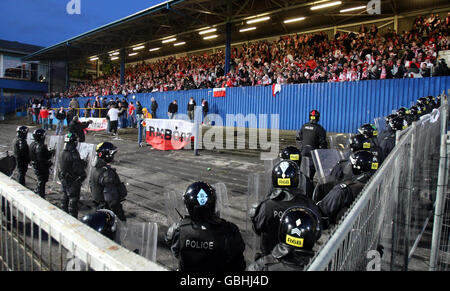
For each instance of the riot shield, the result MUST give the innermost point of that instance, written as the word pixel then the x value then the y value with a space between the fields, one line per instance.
pixel 380 123
pixel 340 141
pixel 87 153
pixel 176 209
pixel 268 167
pixel 324 161
pixel 56 142
pixel 7 163
pixel 258 189
pixel 138 237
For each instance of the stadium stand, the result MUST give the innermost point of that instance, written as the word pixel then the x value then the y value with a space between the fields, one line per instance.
pixel 292 59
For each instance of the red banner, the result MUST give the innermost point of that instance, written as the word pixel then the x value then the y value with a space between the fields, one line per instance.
pixel 168 134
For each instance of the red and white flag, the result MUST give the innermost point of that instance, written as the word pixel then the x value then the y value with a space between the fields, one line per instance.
pixel 219 92
pixel 276 88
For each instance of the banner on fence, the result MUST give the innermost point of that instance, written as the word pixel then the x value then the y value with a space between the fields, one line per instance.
pixel 99 124
pixel 168 134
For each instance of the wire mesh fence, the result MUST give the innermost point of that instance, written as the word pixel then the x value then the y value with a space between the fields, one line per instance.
pixel 383 227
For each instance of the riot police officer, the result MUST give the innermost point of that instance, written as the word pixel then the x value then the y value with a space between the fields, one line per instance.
pixel 107 189
pixel 266 215
pixel 72 174
pixel 298 231
pixel 202 241
pixel 365 140
pixel 387 138
pixel 310 137
pixel 304 183
pixel 340 198
pixel 432 102
pixel 40 160
pixel 425 105
pixel 22 153
pixel 104 221
pixel 415 113
pixel 405 113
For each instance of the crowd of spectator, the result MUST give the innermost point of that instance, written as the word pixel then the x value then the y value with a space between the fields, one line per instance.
pixel 293 59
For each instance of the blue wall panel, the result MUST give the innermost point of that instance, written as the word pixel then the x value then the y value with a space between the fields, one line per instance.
pixel 343 106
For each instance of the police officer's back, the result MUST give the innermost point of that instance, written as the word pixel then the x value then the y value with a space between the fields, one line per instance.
pixel 266 215
pixel 312 135
pixel 341 196
pixel 40 157
pixel 107 190
pixel 202 241
pixel 22 153
pixel 72 173
pixel 386 139
pixel 298 231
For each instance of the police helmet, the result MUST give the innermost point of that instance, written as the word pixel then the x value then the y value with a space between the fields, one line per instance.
pixel 368 130
pixel 422 101
pixel 403 111
pixel 39 135
pixel 397 123
pixel 291 153
pixel 22 132
pixel 285 174
pixel 431 101
pixel 363 162
pixel 314 115
pixel 104 221
pixel 299 229
pixel 415 112
pixel 360 142
pixel 438 101
pixel 106 151
pixel 200 200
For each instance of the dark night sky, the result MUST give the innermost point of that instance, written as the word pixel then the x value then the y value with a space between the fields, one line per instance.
pixel 46 22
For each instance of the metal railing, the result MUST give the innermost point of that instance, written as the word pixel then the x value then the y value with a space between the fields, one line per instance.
pixel 440 247
pixel 36 235
pixel 385 223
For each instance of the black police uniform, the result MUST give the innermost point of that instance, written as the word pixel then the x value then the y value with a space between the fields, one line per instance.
pixel 341 197
pixel 282 259
pixel 386 141
pixel 212 245
pixel 40 157
pixel 72 174
pixel 107 189
pixel 310 137
pixel 266 216
pixel 22 154
pixel 341 171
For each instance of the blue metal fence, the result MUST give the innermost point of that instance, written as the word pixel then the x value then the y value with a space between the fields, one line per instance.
pixel 343 106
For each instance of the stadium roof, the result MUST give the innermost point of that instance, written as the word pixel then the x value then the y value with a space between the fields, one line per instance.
pixel 183 19
pixel 18 47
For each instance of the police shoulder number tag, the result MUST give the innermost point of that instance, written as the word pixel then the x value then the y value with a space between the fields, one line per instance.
pixel 295 157
pixel 294 241
pixel 366 145
pixel 374 166
pixel 375 133
pixel 284 182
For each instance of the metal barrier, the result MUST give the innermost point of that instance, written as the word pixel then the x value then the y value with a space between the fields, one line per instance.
pixel 36 235
pixel 385 223
pixel 440 247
